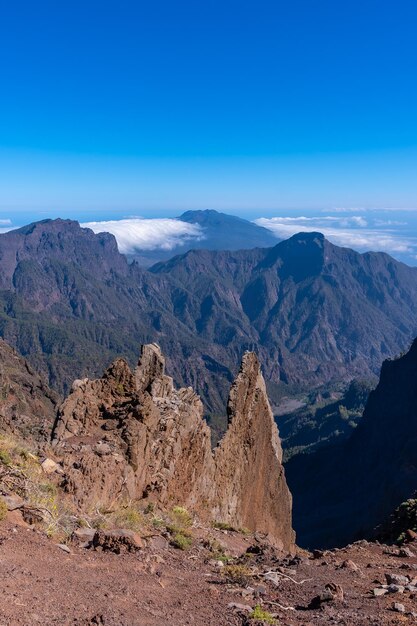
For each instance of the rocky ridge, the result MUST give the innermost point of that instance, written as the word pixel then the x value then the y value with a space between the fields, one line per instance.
pixel 132 435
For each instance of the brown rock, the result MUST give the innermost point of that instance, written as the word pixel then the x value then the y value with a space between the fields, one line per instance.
pixel 136 436
pixel 13 502
pixel 410 535
pixel 83 535
pixel 251 490
pixel 117 541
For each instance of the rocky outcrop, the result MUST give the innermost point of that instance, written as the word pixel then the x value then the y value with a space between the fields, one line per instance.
pixel 27 406
pixel 134 436
pixel 250 484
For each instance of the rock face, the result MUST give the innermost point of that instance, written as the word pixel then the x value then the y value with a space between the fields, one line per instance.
pixel 250 484
pixel 134 436
pixel 27 405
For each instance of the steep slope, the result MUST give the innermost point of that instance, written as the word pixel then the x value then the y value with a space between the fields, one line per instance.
pixel 27 406
pixel 311 309
pixel 314 313
pixel 220 231
pixel 70 303
pixel 134 436
pixel 345 493
pixel 323 421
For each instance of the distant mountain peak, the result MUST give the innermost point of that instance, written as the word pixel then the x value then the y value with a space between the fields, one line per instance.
pixel 308 237
pixel 211 217
pixel 58 241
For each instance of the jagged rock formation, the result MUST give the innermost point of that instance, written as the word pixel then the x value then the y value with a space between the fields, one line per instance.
pixel 133 435
pixel 27 406
pixel 250 484
pixel 343 493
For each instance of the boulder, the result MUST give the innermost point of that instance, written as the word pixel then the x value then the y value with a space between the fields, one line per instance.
pixel 120 540
pixel 13 502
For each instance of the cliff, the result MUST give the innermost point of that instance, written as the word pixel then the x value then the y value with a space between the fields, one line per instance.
pixel 343 493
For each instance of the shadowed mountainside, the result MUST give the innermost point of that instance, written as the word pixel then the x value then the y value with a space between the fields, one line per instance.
pixel 27 406
pixel 344 492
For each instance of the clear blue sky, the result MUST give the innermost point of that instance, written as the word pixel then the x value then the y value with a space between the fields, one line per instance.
pixel 153 107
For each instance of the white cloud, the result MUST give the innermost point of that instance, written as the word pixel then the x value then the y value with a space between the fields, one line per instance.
pixel 355 221
pixel 134 234
pixel 337 230
pixel 378 222
pixel 5 225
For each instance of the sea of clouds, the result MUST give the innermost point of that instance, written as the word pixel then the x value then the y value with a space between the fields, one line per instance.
pixel 352 231
pixel 387 230
pixel 135 234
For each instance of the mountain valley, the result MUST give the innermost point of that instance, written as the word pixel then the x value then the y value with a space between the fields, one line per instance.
pixel 314 313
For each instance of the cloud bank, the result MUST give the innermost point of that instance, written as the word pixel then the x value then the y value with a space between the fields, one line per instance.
pixel 135 234
pixel 351 232
pixel 6 225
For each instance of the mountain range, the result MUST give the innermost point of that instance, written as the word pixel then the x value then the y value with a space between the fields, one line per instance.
pixel 313 312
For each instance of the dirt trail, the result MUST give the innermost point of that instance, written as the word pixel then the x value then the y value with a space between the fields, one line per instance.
pixel 162 586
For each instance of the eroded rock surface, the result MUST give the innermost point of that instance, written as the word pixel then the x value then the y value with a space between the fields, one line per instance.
pixel 250 484
pixel 135 436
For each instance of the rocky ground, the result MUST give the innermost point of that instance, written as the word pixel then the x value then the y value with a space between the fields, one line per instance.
pixel 221 579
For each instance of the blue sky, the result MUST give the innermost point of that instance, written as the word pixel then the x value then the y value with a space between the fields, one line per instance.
pixel 151 108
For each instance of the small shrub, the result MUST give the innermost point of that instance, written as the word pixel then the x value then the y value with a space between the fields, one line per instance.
pixel 181 517
pixel 181 541
pixel 217 551
pixel 238 574
pixel 223 526
pixel 82 523
pixel 157 522
pixel 263 616
pixel 5 457
pixel 149 508
pixel 128 517
pixel 48 488
pixel 3 510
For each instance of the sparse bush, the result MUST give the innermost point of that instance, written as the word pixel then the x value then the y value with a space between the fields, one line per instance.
pixel 5 457
pixel 157 522
pixel 3 510
pixel 223 526
pixel 149 508
pixel 181 517
pixel 181 541
pixel 217 550
pixel 128 517
pixel 238 574
pixel 263 616
pixel 178 527
pixel 26 478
